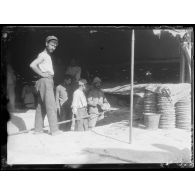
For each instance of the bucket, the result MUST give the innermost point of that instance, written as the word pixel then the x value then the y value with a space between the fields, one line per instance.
pixel 151 121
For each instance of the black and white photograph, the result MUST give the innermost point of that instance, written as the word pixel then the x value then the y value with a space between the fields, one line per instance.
pixel 97 96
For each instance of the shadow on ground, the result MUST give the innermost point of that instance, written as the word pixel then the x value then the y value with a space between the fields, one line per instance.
pixel 168 154
pixel 119 116
pixel 18 122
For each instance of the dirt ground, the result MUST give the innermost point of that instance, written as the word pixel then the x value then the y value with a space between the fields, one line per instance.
pixel 107 143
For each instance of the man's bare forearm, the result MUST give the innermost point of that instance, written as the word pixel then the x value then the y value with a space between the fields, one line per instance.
pixel 37 70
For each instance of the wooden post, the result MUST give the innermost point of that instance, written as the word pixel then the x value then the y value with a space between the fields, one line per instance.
pixel 132 80
pixel 182 66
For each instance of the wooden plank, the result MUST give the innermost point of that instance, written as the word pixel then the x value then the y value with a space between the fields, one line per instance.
pixel 182 68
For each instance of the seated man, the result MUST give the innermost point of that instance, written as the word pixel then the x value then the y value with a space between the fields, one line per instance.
pixel 97 103
pixel 63 100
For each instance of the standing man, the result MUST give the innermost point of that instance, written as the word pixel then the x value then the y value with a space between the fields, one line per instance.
pixel 97 103
pixel 79 106
pixel 43 66
pixel 74 70
pixel 11 80
pixel 63 100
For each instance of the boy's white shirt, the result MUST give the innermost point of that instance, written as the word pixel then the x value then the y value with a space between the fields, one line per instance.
pixel 79 100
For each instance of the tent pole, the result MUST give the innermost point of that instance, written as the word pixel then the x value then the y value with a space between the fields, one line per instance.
pixel 132 80
pixel 182 66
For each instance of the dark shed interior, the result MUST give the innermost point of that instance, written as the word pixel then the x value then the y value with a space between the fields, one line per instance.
pixel 100 51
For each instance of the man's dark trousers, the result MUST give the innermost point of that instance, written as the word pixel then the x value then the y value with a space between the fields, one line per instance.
pixel 46 104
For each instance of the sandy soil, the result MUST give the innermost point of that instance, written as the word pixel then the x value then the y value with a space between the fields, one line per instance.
pixel 107 143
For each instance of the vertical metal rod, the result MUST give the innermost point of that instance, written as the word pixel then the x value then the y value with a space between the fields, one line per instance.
pixel 132 80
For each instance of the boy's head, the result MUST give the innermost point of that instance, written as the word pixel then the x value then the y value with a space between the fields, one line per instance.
pixel 67 79
pixel 82 84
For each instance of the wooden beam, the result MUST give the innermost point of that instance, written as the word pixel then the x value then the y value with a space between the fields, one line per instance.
pixel 132 80
pixel 182 67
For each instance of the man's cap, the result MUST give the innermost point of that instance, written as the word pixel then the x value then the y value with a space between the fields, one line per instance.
pixel 50 38
pixel 97 80
pixel 82 82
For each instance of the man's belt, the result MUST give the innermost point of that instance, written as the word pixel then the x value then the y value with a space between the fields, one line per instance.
pixel 50 77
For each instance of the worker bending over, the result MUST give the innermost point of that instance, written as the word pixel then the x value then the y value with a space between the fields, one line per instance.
pixel 97 103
